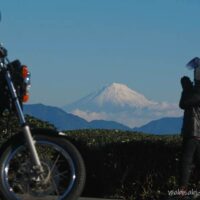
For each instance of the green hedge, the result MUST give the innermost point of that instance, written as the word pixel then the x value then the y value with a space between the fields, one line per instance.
pixel 9 125
pixel 129 165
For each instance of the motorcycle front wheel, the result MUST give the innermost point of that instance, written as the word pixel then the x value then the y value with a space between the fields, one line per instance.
pixel 63 174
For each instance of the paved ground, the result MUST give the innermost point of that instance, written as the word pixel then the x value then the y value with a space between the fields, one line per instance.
pixel 53 198
pixel 86 198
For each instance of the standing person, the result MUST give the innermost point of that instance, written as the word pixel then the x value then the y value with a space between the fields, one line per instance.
pixel 190 103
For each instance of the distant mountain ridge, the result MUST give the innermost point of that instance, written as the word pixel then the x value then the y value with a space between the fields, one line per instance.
pixel 66 121
pixel 56 116
pixel 168 125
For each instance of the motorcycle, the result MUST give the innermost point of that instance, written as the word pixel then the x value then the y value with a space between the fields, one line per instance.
pixel 34 164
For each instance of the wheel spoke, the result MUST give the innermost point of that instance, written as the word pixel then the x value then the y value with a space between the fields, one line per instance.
pixel 61 174
pixel 55 187
pixel 54 164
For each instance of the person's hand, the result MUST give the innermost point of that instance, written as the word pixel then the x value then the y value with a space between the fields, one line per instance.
pixel 186 83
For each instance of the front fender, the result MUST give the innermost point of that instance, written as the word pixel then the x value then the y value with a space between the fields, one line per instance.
pixel 46 131
pixel 36 131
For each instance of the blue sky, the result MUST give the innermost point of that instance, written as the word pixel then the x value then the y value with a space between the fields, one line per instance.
pixel 74 47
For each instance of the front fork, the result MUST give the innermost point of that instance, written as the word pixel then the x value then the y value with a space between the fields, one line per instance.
pixel 26 130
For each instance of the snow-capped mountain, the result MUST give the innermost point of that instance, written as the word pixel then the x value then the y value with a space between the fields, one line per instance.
pixel 115 95
pixel 117 102
pixel 119 95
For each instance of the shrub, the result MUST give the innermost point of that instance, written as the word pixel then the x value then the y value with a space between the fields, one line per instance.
pixel 128 164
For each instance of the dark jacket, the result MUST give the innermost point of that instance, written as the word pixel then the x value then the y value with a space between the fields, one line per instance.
pixel 190 103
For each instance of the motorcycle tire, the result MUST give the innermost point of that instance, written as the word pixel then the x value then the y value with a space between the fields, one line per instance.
pixel 64 170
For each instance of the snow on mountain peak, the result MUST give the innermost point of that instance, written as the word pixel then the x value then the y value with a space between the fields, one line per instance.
pixel 121 95
pixel 117 102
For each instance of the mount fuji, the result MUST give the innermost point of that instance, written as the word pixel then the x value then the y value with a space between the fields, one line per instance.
pixel 117 102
